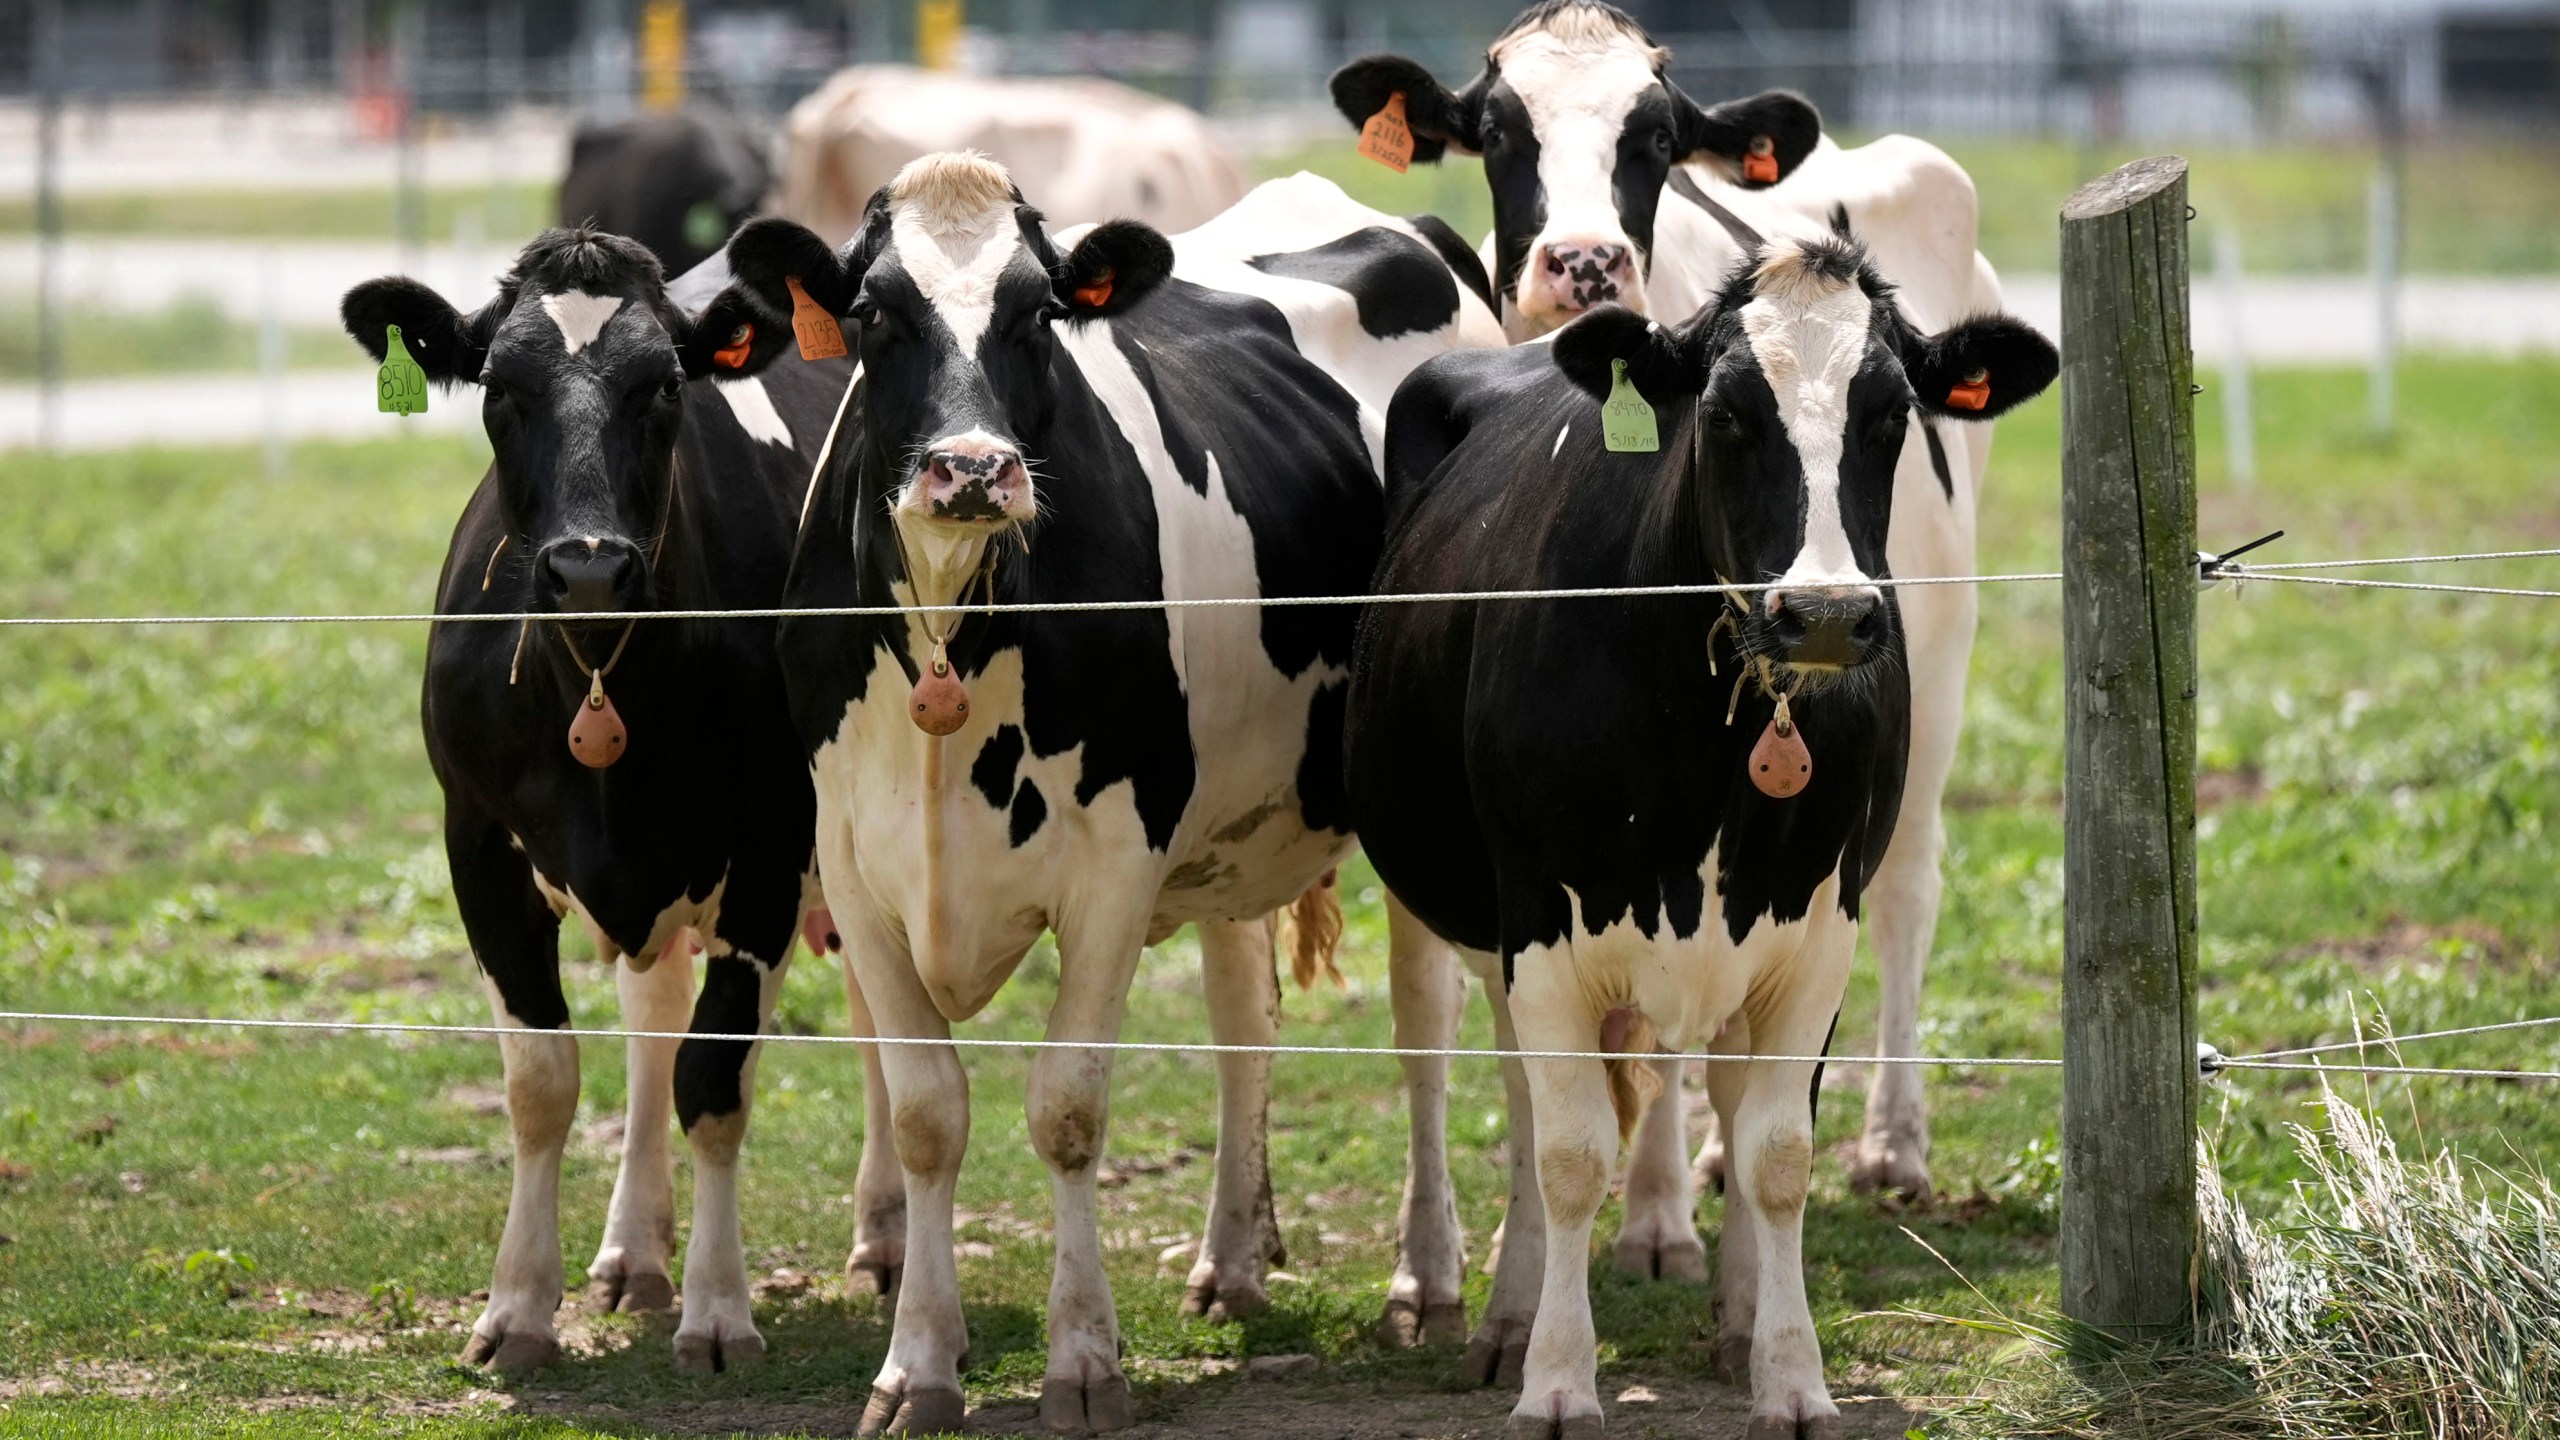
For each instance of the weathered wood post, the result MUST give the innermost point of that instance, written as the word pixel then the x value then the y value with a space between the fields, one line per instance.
pixel 2129 665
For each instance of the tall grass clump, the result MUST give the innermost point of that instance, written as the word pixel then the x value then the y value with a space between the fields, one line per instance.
pixel 2397 1297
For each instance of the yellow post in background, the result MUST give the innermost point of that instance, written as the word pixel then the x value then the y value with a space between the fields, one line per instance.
pixel 938 34
pixel 662 54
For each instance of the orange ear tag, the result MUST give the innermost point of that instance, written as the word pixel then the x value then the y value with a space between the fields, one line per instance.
pixel 733 355
pixel 821 337
pixel 1387 139
pixel 1973 394
pixel 1780 764
pixel 1095 293
pixel 1760 167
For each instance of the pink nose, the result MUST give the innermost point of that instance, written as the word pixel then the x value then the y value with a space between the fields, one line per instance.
pixel 967 480
pixel 1579 274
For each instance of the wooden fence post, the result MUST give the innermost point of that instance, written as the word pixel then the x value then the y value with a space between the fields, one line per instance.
pixel 2129 695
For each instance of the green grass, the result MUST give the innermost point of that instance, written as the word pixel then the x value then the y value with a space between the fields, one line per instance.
pixel 193 336
pixel 504 211
pixel 2469 207
pixel 240 821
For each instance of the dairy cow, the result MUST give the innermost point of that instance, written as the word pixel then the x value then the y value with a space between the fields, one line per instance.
pixel 678 183
pixel 1611 186
pixel 639 774
pixel 1103 417
pixel 1652 820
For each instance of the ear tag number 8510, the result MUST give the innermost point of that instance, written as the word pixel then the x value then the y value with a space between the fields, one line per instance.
pixel 1626 422
pixel 400 386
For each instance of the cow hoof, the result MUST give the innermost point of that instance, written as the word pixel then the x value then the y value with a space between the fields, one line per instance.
pixel 1069 1406
pixel 513 1354
pixel 1405 1326
pixel 1647 1257
pixel 1787 1427
pixel 1548 1427
pixel 710 1354
pixel 1495 1353
pixel 1893 1167
pixel 640 1294
pixel 873 1275
pixel 1238 1298
pixel 1733 1359
pixel 931 1411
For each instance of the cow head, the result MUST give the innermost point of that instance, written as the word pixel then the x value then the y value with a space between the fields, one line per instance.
pixel 1803 373
pixel 1579 130
pixel 582 362
pixel 949 291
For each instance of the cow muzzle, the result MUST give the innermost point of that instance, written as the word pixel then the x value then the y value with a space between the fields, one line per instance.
pixel 1569 274
pixel 591 574
pixel 1827 628
pixel 971 480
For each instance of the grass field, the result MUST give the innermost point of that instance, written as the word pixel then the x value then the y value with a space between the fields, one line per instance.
pixel 215 1234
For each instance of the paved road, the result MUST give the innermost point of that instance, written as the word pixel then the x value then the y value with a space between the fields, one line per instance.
pixel 223 410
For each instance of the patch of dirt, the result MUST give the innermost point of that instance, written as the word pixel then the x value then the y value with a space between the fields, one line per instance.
pixel 2403 940
pixel 2217 788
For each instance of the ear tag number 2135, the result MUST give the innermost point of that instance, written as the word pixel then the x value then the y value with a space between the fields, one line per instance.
pixel 400 386
pixel 1626 422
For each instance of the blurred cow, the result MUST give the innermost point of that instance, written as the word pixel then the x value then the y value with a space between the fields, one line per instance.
pixel 677 183
pixel 1084 149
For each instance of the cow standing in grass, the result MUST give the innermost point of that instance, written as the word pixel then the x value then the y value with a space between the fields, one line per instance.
pixel 628 476
pixel 1567 788
pixel 1611 186
pixel 1121 419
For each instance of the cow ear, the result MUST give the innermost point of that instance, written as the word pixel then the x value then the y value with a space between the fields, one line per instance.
pixel 1660 363
pixel 733 337
pixel 1980 368
pixel 1117 264
pixel 1756 141
pixel 770 252
pixel 1441 120
pixel 450 346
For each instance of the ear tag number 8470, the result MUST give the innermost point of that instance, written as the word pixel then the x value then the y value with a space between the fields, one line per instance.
pixel 1626 422
pixel 400 386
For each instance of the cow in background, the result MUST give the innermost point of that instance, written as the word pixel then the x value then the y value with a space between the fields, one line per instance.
pixel 639 464
pixel 1609 185
pixel 1084 150
pixel 679 183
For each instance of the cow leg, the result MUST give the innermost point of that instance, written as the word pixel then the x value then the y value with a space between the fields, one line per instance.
pixel 1428 989
pixel 1083 1390
pixel 1500 1344
pixel 1772 1154
pixel 879 1190
pixel 715 1091
pixel 515 936
pixel 918 1388
pixel 1242 1232
pixel 631 1267
pixel 1738 1248
pixel 1577 1145
pixel 1658 1237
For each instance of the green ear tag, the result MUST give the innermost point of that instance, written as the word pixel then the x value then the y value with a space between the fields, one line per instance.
pixel 400 386
pixel 1626 422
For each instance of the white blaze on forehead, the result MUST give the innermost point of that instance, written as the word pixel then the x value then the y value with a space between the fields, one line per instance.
pixel 580 316
pixel 1578 87
pixel 1808 329
pixel 952 223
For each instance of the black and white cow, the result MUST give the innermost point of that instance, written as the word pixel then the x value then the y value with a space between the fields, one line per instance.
pixel 632 471
pixel 678 183
pixel 1565 788
pixel 1590 151
pixel 1120 418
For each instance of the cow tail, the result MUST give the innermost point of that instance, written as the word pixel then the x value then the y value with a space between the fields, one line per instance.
pixel 1311 930
pixel 1633 1083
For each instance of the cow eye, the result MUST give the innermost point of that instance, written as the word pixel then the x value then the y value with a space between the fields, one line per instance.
pixel 1723 421
pixel 1662 142
pixel 672 386
pixel 865 310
